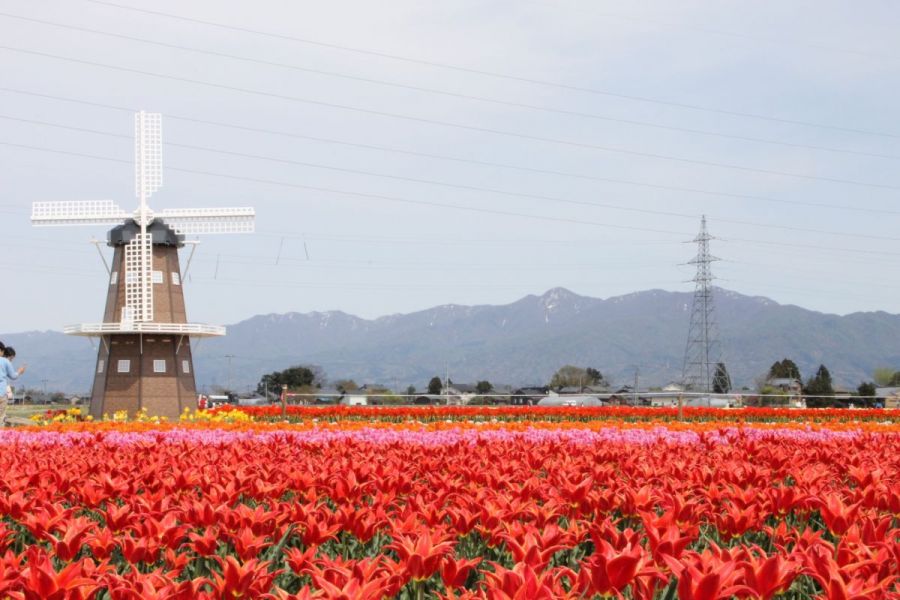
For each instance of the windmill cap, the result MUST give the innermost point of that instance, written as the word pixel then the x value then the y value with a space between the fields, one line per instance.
pixel 162 234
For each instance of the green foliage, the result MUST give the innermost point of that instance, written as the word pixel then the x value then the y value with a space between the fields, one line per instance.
pixel 784 369
pixel 345 385
pixel 435 385
pixel 866 389
pixel 572 376
pixel 883 376
pixel 721 380
pixel 484 387
pixel 818 388
pixel 297 377
pixel 595 377
pixel 770 396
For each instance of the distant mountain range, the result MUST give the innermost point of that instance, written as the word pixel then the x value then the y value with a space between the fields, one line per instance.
pixel 519 343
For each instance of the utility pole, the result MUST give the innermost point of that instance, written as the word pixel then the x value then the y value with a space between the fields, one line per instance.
pixel 634 390
pixel 702 352
pixel 44 386
pixel 229 357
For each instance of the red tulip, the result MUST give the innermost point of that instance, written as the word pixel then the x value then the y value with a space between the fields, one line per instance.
pixel 247 580
pixel 769 576
pixel 455 573
pixel 421 553
pixel 837 515
pixel 40 581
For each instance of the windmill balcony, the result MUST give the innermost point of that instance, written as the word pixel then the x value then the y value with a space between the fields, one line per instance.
pixel 125 327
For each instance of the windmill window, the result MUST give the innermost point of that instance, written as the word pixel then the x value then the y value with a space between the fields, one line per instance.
pixel 176 278
pixel 124 366
pixel 157 277
pixel 159 366
pixel 100 365
pixel 114 278
pixel 130 277
pixel 186 366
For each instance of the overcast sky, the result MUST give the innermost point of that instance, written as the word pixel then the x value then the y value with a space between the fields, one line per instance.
pixel 551 143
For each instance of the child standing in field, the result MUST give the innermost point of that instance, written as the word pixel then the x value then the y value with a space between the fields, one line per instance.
pixel 7 374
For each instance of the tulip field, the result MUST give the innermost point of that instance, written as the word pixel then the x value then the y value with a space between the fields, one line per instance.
pixel 519 502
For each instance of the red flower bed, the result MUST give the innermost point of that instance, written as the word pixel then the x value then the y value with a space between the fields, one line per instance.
pixel 494 514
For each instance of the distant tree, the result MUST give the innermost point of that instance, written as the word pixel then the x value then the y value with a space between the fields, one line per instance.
pixel 867 391
pixel 784 369
pixel 770 396
pixel 410 390
pixel 818 388
pixel 883 376
pixel 345 385
pixel 298 377
pixel 594 377
pixel 721 380
pixel 895 379
pixel 572 376
pixel 435 385
pixel 380 394
pixel 484 387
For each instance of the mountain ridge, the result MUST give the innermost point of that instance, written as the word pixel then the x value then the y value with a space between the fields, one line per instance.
pixel 522 342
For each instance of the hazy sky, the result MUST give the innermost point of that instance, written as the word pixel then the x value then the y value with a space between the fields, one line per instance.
pixel 533 179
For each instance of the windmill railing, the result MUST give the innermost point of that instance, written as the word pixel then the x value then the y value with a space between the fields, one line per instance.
pixel 189 329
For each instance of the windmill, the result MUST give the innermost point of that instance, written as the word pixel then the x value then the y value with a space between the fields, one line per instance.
pixel 144 359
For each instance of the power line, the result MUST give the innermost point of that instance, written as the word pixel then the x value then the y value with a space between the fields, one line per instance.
pixel 355 194
pixel 493 74
pixel 746 36
pixel 464 186
pixel 462 160
pixel 447 93
pixel 500 132
pixel 431 203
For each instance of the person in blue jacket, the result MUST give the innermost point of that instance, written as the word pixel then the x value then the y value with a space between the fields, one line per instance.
pixel 7 373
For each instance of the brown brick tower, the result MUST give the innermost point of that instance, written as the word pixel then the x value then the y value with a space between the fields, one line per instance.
pixel 146 370
pixel 144 361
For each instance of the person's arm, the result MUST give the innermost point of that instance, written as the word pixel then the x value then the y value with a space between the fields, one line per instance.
pixel 11 372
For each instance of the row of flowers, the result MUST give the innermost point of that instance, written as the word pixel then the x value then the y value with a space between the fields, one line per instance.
pixel 517 418
pixel 570 413
pixel 198 510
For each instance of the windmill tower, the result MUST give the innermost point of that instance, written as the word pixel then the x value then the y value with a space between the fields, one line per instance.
pixel 144 358
pixel 703 352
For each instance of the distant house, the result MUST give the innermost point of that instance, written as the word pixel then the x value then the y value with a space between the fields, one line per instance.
pixel 788 385
pixel 427 399
pixel 667 396
pixel 529 395
pixel 624 395
pixel 888 396
pixel 595 389
pixel 463 391
pixel 328 396
pixel 355 399
pixel 501 394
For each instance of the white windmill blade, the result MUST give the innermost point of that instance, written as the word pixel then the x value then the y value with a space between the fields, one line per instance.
pixel 191 221
pixel 80 212
pixel 138 279
pixel 147 153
